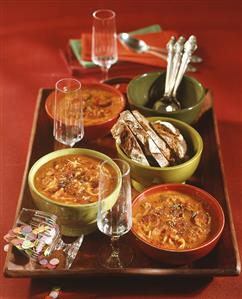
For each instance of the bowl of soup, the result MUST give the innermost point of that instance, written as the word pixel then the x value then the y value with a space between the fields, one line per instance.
pixel 65 183
pixel 177 223
pixel 102 104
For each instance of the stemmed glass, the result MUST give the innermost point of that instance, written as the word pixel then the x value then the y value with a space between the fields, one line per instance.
pixel 68 112
pixel 104 40
pixel 37 235
pixel 115 219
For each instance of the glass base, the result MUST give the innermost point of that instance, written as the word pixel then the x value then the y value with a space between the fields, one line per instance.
pixel 108 259
pixel 70 250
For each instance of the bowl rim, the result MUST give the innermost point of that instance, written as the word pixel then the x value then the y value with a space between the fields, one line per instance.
pixel 198 191
pixel 34 168
pixel 121 107
pixel 168 168
pixel 131 102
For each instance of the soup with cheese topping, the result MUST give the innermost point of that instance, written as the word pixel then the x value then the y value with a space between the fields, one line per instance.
pixel 73 179
pixel 172 220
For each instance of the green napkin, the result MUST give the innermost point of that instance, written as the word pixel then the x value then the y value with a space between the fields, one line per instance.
pixel 76 45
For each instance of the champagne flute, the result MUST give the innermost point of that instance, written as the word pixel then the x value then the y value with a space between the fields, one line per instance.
pixel 115 219
pixel 68 114
pixel 104 40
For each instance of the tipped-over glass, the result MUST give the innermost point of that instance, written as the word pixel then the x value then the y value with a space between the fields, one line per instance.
pixel 115 219
pixel 37 235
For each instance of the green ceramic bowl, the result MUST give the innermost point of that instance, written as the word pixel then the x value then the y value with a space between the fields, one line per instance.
pixel 74 220
pixel 190 93
pixel 146 176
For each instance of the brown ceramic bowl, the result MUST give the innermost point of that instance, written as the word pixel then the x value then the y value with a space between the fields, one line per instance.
pixel 98 128
pixel 183 256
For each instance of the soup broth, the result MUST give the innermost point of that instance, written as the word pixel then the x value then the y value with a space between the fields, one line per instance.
pixel 73 179
pixel 172 220
pixel 99 105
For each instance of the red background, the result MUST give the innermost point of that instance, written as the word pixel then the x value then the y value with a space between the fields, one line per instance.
pixel 33 32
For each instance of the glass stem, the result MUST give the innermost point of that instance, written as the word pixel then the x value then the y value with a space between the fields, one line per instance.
pixel 115 249
pixel 105 72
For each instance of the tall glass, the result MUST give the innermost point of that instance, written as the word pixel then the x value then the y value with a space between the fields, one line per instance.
pixel 68 113
pixel 104 40
pixel 115 220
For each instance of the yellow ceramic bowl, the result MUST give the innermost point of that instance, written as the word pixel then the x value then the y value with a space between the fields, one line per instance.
pixel 146 176
pixel 78 219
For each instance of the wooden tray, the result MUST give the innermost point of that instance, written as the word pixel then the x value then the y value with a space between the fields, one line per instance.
pixel 222 261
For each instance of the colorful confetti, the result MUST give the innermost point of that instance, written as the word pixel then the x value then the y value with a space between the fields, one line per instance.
pixel 55 292
pixel 37 242
pixel 34 242
pixel 43 262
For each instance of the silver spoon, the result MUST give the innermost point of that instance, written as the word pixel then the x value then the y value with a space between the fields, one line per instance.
pixel 189 47
pixel 169 101
pixel 141 46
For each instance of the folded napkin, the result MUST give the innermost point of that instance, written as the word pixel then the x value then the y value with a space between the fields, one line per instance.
pixel 76 44
pixel 156 39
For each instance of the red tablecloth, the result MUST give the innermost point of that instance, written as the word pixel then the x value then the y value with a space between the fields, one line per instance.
pixel 33 32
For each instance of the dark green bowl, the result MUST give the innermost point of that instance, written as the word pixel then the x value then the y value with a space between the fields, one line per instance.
pixel 190 94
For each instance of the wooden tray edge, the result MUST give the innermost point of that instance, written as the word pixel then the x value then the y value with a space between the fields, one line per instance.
pixel 6 271
pixel 231 223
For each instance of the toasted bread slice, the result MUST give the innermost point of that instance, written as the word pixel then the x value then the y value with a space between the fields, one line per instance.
pixel 172 137
pixel 147 143
pixel 164 148
pixel 128 143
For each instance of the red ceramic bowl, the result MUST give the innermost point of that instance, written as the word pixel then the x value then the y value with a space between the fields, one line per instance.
pixel 184 256
pixel 98 129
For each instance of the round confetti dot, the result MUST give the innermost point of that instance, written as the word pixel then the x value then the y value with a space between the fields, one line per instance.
pixel 26 229
pixel 43 262
pixel 54 261
pixel 17 230
pixel 6 247
pixel 27 244
pixel 40 229
pixel 54 294
pixel 8 237
pixel 16 242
